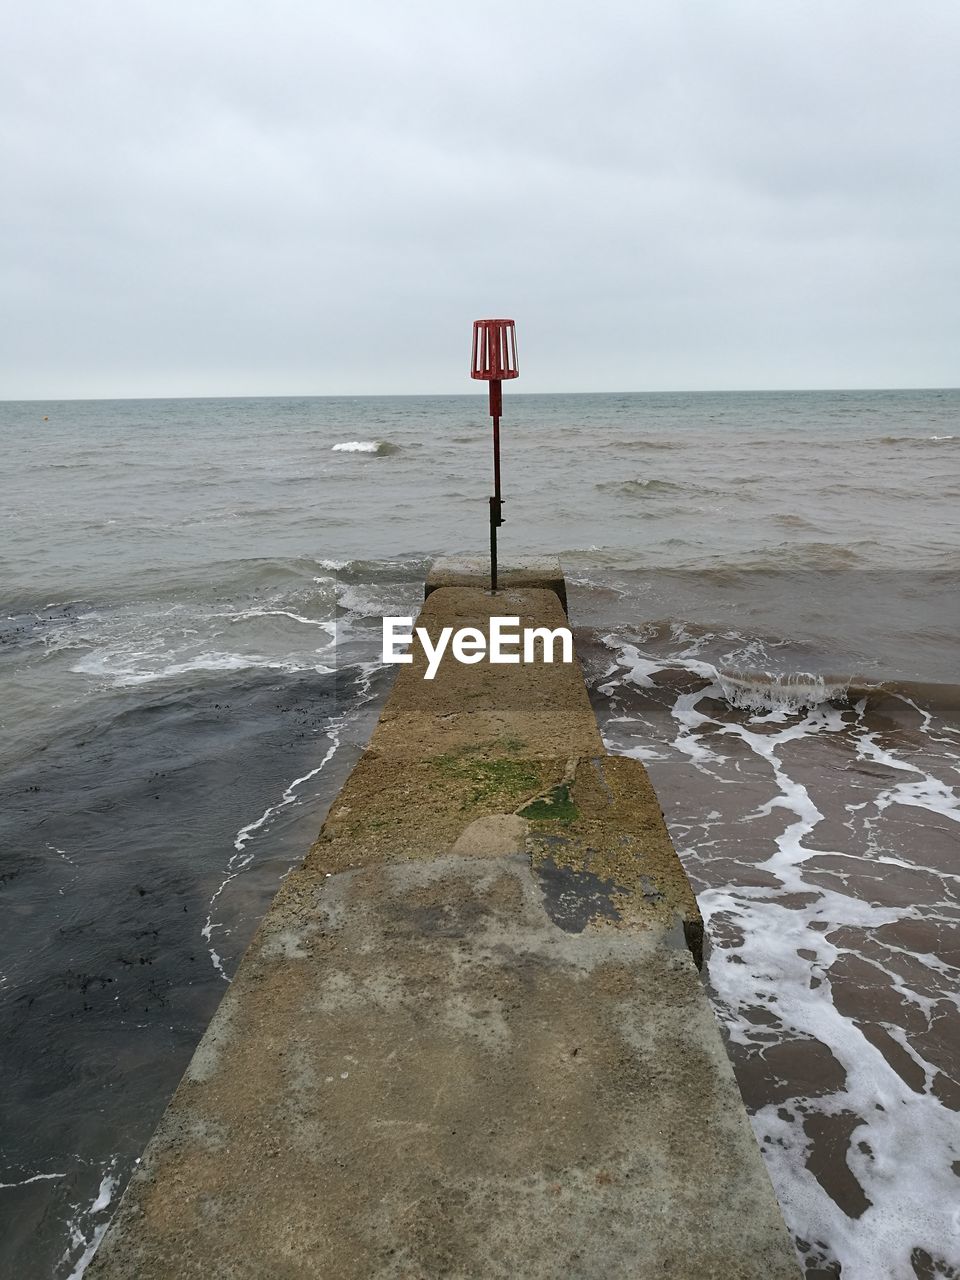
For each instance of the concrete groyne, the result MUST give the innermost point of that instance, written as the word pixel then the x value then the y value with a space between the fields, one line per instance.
pixel 469 1038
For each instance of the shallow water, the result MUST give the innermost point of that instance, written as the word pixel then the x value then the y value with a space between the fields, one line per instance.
pixel 764 594
pixel 822 844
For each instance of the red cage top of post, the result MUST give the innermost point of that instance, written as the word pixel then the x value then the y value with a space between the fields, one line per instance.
pixel 494 350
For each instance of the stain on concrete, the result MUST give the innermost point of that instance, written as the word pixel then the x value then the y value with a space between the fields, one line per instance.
pixel 575 898
pixel 618 835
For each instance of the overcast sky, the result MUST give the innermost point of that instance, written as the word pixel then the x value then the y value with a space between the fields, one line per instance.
pixel 305 197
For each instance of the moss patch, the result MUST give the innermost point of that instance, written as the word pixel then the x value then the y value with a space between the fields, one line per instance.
pixel 556 806
pixel 503 780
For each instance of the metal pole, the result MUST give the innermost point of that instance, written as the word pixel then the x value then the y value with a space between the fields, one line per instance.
pixel 493 546
pixel 496 457
pixel 496 502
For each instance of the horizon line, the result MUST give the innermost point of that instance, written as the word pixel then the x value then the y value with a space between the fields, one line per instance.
pixel 464 395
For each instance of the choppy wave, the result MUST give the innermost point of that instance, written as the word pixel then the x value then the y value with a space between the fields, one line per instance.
pixel 758 691
pixel 790 520
pixel 410 570
pixel 764 692
pixel 790 556
pixel 643 488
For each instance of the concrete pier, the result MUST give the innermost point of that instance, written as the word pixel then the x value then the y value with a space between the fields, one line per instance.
pixel 469 1038
pixel 522 571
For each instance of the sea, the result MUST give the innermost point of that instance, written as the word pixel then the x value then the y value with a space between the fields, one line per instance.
pixel 764 597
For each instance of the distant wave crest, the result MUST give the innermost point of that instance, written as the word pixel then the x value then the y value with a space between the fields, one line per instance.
pixel 919 439
pixel 379 448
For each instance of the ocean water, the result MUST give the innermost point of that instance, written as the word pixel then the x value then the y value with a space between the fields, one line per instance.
pixel 763 589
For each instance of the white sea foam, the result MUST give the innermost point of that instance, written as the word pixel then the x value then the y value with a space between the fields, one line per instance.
pixel 124 669
pixel 927 793
pixel 153 641
pixel 375 600
pixel 244 615
pixel 645 754
pixel 34 1177
pixel 779 946
pixel 357 446
pixel 85 1235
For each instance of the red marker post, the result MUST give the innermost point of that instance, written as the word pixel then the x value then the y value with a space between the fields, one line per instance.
pixel 494 360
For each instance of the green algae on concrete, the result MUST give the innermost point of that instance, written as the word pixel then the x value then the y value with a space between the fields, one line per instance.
pixel 502 781
pixel 391 809
pixel 554 807
pixel 619 835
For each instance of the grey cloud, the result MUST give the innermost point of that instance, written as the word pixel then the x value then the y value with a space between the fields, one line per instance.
pixel 243 199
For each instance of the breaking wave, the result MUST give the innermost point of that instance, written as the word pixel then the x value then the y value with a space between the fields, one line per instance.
pixel 378 448
pixel 763 691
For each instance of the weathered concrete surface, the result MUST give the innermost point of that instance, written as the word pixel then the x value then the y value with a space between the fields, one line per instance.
pixel 586 819
pixel 468 1039
pixel 521 571
pixel 419 1074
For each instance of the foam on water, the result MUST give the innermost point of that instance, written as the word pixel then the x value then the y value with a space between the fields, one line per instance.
pixel 89 1225
pixel 123 670
pixel 155 641
pixel 782 694
pixel 777 948
pixel 243 857
pixel 34 1177
pixel 241 615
